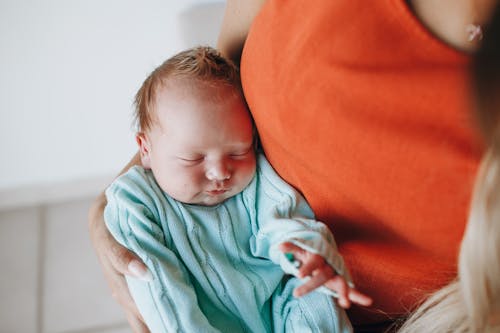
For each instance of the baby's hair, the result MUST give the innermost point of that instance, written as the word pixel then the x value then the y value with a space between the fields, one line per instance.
pixel 202 63
pixel 471 303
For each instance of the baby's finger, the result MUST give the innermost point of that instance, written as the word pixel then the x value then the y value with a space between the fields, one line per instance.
pixel 359 298
pixel 318 278
pixel 290 248
pixel 338 284
pixel 310 263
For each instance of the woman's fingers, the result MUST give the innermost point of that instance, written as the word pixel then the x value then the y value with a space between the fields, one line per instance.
pixel 136 324
pixel 114 266
pixel 126 262
pixel 109 251
pixel 118 286
pixel 116 261
pixel 121 294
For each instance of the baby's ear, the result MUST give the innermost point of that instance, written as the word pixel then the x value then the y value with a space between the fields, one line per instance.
pixel 144 149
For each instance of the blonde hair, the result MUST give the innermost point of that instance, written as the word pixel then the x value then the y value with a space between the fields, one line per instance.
pixel 200 64
pixel 471 303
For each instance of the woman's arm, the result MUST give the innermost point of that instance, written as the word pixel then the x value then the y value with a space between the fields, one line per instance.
pixel 137 218
pixel 116 261
pixel 238 18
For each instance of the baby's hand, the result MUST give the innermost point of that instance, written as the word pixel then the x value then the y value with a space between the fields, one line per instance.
pixel 320 273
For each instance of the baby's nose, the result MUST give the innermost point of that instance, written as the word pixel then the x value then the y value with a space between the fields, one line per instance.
pixel 219 170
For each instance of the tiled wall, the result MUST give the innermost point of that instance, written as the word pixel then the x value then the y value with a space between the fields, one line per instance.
pixel 50 280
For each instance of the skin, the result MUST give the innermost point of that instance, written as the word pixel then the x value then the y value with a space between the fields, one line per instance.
pixel 437 16
pixel 447 19
pixel 238 17
pixel 201 148
pixel 218 162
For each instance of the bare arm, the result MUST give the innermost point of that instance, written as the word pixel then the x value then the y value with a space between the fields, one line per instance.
pixel 116 261
pixel 238 18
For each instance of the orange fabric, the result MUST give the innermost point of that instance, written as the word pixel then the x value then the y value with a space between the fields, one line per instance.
pixel 367 114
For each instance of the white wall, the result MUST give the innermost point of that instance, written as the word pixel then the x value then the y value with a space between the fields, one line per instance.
pixel 68 72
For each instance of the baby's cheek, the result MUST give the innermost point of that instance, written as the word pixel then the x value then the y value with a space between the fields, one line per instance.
pixel 193 184
pixel 249 170
pixel 244 178
pixel 178 186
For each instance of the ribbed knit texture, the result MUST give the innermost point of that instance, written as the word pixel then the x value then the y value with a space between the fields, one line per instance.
pixel 212 265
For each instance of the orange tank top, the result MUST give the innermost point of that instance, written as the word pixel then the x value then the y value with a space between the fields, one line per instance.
pixel 366 113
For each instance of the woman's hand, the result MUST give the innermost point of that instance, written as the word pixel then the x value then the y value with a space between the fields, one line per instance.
pixel 116 261
pixel 320 273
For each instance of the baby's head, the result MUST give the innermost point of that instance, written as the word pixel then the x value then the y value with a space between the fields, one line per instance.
pixel 194 129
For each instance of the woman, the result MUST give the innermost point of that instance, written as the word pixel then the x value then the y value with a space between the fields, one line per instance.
pixel 363 107
pixel 471 303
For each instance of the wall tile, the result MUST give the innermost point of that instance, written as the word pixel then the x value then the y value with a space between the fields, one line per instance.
pixel 76 296
pixel 123 328
pixel 19 247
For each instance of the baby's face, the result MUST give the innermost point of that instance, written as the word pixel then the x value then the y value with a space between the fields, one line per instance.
pixel 202 151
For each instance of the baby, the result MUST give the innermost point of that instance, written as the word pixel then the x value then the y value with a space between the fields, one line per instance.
pixel 215 225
